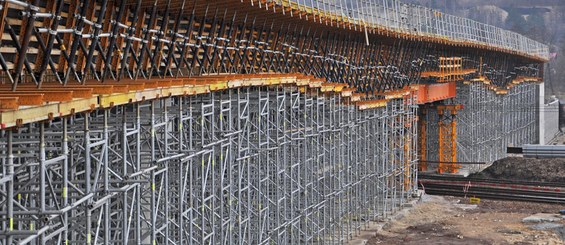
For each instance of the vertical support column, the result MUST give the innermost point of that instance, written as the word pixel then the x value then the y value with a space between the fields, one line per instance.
pixel 9 172
pixel 447 138
pixel 87 174
pixel 541 114
pixel 65 184
pixel 280 209
pixel 106 181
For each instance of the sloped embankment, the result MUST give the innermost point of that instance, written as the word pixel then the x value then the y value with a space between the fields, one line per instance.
pixel 525 169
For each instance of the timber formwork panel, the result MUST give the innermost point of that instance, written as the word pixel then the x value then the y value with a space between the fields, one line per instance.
pixel 76 41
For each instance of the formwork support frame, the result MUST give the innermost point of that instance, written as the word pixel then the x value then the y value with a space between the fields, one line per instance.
pixel 252 165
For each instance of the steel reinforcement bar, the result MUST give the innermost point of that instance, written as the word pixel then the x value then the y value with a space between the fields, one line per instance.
pixel 273 160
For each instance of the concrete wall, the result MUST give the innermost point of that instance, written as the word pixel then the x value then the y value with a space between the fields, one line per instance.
pixel 549 121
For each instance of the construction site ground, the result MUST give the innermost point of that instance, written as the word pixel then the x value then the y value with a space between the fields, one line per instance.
pixel 525 169
pixel 452 220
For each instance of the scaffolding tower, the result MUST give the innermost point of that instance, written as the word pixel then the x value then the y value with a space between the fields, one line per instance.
pixel 252 165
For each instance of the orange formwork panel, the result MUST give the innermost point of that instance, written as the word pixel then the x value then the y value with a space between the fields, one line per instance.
pixel 434 92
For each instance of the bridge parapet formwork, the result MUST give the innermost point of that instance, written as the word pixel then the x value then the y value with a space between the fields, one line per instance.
pixel 413 20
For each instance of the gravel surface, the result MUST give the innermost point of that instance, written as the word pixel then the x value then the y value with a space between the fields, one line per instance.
pixel 449 220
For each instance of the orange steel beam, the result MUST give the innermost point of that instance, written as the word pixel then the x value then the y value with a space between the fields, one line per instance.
pixel 434 92
pixel 441 168
pixel 452 166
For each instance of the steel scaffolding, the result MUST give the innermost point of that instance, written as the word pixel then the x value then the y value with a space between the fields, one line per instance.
pixel 488 122
pixel 252 165
pixel 165 122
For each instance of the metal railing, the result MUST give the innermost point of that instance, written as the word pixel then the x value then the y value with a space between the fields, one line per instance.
pixel 419 20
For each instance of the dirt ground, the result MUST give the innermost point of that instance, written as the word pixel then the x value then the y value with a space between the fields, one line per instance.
pixel 529 169
pixel 451 221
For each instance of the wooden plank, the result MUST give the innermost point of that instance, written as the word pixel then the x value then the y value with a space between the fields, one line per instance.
pixel 177 82
pixel 370 104
pixel 111 100
pixel 148 94
pixel 96 89
pixel 132 84
pixel 164 82
pixel 3 14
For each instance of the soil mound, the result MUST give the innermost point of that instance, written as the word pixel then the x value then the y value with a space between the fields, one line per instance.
pixel 525 169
